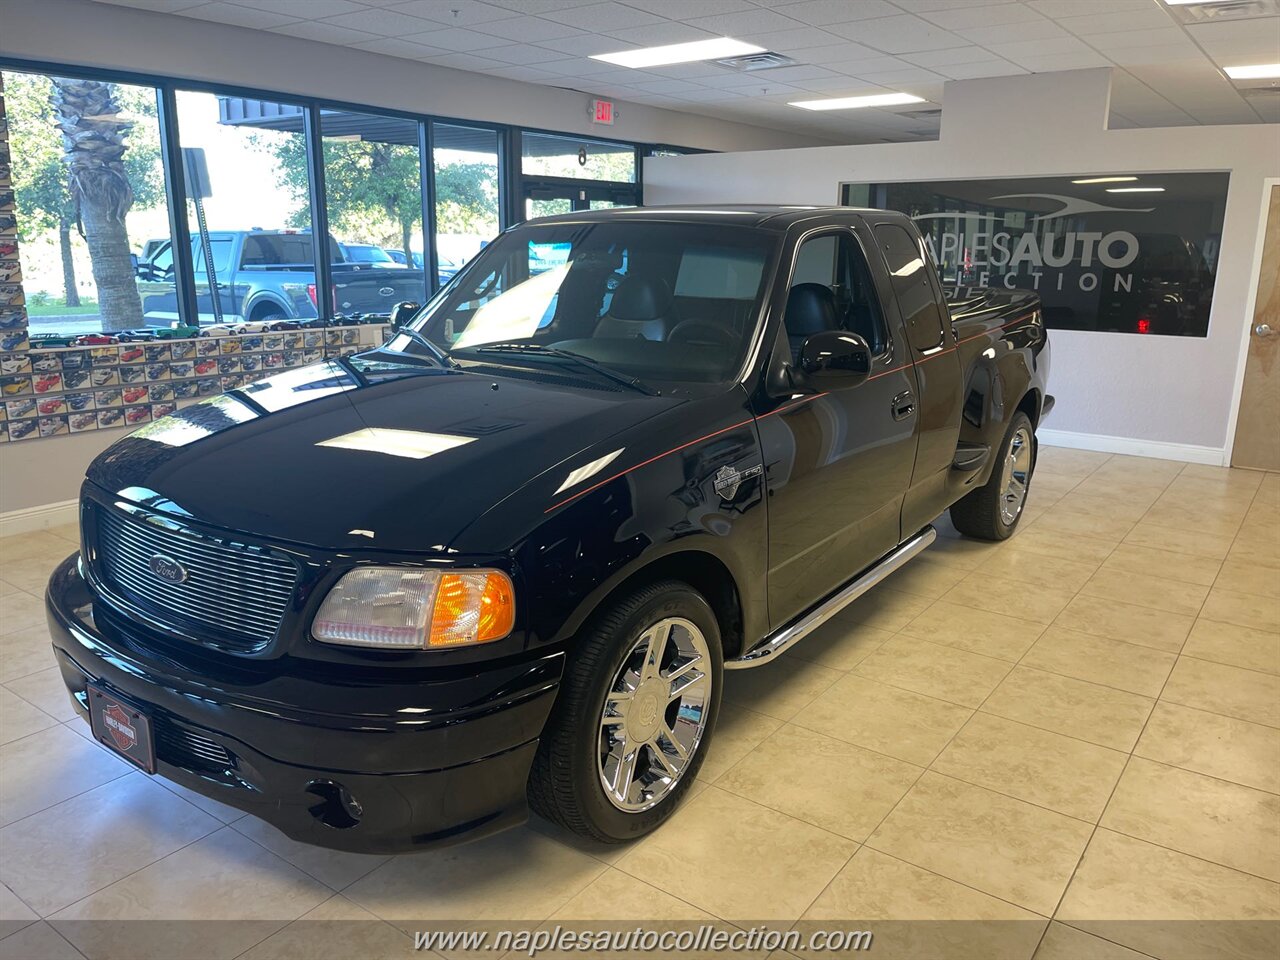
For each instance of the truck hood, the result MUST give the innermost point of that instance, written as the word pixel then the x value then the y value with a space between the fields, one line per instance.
pixel 401 461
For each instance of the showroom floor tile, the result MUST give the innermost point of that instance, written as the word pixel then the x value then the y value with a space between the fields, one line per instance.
pixel 1073 737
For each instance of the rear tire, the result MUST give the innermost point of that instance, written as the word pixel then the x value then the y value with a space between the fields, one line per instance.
pixel 993 510
pixel 619 753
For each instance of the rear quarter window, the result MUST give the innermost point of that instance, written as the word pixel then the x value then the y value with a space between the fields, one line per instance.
pixel 910 277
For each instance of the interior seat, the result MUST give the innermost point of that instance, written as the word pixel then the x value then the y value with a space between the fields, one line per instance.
pixel 640 308
pixel 811 308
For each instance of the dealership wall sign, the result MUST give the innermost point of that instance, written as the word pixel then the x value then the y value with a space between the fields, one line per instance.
pixel 1124 253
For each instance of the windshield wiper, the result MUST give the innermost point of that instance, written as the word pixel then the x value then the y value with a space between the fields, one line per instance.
pixel 591 363
pixel 436 353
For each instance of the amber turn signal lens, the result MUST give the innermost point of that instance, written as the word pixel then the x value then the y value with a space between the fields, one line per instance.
pixel 472 607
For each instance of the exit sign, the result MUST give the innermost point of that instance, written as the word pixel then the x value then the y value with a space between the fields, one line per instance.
pixel 602 111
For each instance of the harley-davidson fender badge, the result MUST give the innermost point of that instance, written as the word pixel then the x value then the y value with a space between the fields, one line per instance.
pixel 728 479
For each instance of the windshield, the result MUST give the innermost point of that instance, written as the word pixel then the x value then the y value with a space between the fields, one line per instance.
pixel 653 301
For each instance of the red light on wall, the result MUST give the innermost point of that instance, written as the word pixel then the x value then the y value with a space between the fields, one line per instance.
pixel 1144 324
pixel 602 111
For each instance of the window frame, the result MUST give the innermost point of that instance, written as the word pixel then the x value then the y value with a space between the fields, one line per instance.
pixel 838 231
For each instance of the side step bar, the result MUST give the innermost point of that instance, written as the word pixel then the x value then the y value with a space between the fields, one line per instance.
pixel 781 640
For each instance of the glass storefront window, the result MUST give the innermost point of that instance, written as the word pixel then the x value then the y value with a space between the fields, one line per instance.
pixel 547 155
pixel 466 182
pixel 248 193
pixel 373 200
pixel 89 198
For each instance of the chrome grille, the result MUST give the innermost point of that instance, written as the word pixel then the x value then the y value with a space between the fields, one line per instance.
pixel 235 593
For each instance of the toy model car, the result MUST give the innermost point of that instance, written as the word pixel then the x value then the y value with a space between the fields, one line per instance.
pixel 15 385
pixel 132 374
pixel 103 375
pixel 13 341
pixel 73 379
pixel 78 401
pixel 19 429
pixel 139 334
pixel 205 367
pixel 84 421
pixel 52 426
pixel 17 409
pixel 14 365
pixel 52 405
pixel 45 364
pixel 39 340
pixel 131 355
pixel 157 371
pixel 137 414
pixel 218 330
pixel 94 340
pixel 176 332
pixel 107 417
pixel 135 394
pixel 48 382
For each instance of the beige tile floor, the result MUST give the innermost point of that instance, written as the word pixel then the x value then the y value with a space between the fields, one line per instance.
pixel 1078 730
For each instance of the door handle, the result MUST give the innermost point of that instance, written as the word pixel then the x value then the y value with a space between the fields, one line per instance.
pixel 904 405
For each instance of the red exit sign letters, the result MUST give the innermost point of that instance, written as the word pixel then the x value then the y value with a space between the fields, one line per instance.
pixel 602 111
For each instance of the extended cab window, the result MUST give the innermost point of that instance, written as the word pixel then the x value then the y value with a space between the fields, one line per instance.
pixel 831 289
pixel 910 278
pixel 275 250
pixel 658 301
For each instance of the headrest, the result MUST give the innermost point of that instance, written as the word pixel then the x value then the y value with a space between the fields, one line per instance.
pixel 641 298
pixel 811 308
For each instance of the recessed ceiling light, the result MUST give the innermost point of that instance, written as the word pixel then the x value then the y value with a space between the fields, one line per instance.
pixel 1254 71
pixel 851 103
pixel 713 49
pixel 1105 180
pixel 1135 189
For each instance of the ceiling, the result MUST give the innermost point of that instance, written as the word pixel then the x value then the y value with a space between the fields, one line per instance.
pixel 1167 60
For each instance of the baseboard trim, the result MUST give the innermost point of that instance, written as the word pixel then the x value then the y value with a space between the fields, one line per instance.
pixel 1159 449
pixel 38 518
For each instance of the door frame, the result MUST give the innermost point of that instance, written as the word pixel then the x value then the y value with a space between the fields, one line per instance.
pixel 579 193
pixel 1251 307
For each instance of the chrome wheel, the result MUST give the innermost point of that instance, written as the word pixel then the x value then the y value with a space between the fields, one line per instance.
pixel 655 714
pixel 1016 476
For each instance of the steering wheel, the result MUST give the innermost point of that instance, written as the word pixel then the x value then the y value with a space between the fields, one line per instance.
pixel 701 332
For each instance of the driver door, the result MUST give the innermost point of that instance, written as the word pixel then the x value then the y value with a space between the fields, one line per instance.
pixel 838 464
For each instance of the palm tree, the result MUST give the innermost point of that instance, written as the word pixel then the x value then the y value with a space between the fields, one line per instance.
pixel 93 144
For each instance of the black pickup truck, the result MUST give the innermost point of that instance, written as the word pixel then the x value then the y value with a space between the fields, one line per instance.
pixel 392 600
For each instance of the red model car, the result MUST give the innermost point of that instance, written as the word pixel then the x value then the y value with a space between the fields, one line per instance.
pixel 48 382
pixel 130 355
pixel 52 405
pixel 205 367
pixel 137 414
pixel 94 340
pixel 134 395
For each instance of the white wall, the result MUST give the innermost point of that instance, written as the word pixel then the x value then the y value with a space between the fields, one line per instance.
pixel 82 33
pixel 1163 396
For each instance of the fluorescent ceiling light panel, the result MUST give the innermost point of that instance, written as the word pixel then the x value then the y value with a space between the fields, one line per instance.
pixel 413 444
pixel 852 103
pixel 1135 190
pixel 1105 180
pixel 1254 71
pixel 714 49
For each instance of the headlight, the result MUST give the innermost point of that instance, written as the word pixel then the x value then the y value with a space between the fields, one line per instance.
pixel 397 608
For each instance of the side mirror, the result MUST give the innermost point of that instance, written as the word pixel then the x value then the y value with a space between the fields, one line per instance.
pixel 403 312
pixel 835 360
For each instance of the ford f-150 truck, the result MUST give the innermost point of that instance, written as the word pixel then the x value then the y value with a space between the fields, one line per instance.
pixel 270 275
pixel 393 600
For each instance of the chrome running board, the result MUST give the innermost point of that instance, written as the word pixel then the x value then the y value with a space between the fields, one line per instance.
pixel 767 649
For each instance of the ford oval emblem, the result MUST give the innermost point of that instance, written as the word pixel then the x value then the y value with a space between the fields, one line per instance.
pixel 386 291
pixel 168 569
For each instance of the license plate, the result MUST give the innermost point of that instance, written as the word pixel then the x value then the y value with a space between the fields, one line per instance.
pixel 123 727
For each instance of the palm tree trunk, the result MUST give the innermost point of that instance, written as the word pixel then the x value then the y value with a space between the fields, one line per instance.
pixel 71 295
pixel 93 141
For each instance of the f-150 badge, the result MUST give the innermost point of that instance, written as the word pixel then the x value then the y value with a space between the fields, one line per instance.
pixel 728 479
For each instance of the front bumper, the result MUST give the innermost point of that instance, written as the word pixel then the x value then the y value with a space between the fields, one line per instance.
pixel 439 761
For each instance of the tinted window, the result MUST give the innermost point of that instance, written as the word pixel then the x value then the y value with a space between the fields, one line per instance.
pixel 276 249
pixel 910 278
pixel 836 261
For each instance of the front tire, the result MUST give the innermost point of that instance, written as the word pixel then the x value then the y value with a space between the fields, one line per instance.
pixel 993 510
pixel 636 708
